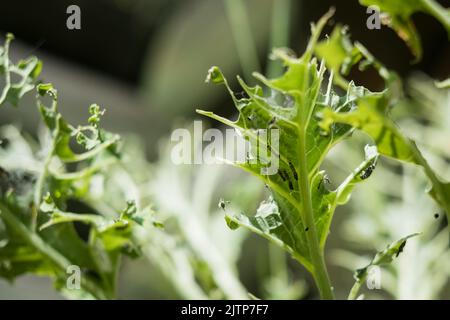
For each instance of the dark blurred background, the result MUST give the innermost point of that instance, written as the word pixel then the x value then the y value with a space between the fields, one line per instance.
pixel 138 57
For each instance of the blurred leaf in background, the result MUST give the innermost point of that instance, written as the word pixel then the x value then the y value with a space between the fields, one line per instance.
pixel 382 211
pixel 198 35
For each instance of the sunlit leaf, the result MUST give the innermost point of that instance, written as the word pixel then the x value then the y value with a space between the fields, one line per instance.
pixel 291 104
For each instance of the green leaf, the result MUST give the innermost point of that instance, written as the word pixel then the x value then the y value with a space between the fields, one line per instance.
pixel 372 112
pixel 17 258
pixel 338 53
pixel 47 253
pixel 37 234
pixel 94 139
pixel 363 172
pixel 215 76
pixel 382 258
pixel 268 223
pixel 397 15
pixel 289 105
pixel 341 55
pixel 46 88
pixel 115 234
pixel 372 117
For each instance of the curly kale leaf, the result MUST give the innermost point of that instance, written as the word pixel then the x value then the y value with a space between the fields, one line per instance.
pixel 372 113
pixel 290 104
pixel 38 233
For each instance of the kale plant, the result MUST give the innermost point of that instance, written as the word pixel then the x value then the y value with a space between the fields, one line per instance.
pixel 40 182
pixel 313 114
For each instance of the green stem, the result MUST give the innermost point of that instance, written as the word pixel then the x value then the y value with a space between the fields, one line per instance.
pixel 54 136
pixel 320 272
pixel 440 13
pixel 34 240
pixel 108 282
pixel 244 41
pixel 353 295
pixel 39 189
pixel 9 38
pixel 40 182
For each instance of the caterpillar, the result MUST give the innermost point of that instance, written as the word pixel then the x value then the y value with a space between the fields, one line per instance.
pixel 294 172
pixel 282 175
pixel 272 121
